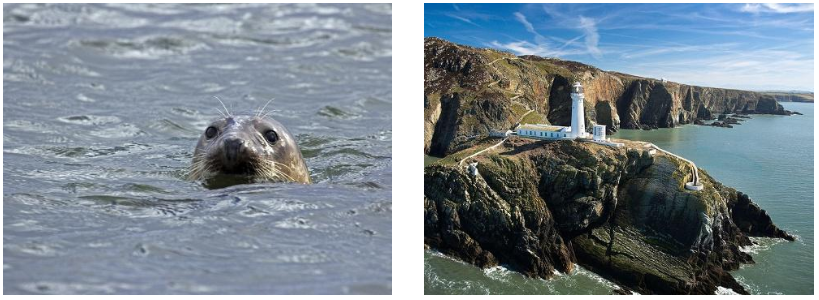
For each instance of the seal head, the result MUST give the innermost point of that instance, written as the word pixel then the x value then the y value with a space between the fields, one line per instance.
pixel 248 149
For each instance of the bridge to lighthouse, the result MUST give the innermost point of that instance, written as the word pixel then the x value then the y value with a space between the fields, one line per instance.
pixel 695 184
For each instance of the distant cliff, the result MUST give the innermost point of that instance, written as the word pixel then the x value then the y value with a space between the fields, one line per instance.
pixel 791 97
pixel 469 91
pixel 544 206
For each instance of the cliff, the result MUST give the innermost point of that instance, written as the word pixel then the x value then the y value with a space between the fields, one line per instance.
pixel 540 207
pixel 791 97
pixel 470 91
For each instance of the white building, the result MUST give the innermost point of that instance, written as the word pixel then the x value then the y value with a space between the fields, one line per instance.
pixel 542 131
pixel 599 132
pixel 473 168
pixel 578 126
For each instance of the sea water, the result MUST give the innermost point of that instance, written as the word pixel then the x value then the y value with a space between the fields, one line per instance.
pixel 768 157
pixel 104 103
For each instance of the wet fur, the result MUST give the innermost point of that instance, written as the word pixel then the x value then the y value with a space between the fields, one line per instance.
pixel 261 161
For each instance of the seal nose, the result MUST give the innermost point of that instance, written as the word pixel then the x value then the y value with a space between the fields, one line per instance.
pixel 232 149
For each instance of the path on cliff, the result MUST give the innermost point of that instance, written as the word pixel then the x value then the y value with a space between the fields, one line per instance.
pixel 482 151
pixel 498 144
pixel 509 58
pixel 521 118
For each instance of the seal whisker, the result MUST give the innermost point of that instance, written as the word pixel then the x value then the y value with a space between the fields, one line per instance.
pixel 265 106
pixel 275 164
pixel 270 168
pixel 223 105
pixel 198 167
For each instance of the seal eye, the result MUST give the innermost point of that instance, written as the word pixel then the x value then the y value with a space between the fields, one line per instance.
pixel 271 136
pixel 210 132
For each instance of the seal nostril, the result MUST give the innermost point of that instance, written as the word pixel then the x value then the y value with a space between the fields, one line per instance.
pixel 232 148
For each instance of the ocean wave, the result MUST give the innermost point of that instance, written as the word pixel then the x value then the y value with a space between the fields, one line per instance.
pixel 760 244
pixel 724 291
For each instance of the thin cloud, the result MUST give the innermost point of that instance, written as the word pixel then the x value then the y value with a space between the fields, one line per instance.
pixel 763 47
pixel 652 51
pixel 749 70
pixel 520 47
pixel 779 8
pixel 527 48
pixel 465 20
pixel 567 42
pixel 592 37
pixel 522 19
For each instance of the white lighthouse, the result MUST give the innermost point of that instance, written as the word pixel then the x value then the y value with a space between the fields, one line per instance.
pixel 578 119
pixel 577 130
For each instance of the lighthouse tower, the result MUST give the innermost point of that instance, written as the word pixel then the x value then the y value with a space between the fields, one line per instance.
pixel 578 120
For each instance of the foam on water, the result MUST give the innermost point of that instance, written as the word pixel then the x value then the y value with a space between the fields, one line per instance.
pixel 760 244
pixel 724 291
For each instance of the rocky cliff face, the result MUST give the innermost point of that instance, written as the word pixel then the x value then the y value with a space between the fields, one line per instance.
pixel 543 206
pixel 470 91
pixel 791 97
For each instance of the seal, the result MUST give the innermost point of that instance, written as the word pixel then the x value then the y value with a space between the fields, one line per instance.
pixel 255 148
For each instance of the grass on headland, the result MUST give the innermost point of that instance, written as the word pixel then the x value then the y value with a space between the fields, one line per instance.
pixel 534 118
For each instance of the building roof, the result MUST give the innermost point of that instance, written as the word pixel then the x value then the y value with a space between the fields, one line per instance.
pixel 545 127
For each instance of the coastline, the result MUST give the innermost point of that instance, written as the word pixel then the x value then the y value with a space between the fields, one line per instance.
pixel 764 249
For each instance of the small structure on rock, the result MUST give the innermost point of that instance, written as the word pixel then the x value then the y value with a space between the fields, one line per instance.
pixel 473 168
pixel 599 133
pixel 501 134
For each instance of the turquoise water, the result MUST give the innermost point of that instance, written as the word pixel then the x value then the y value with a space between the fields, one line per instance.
pixel 768 157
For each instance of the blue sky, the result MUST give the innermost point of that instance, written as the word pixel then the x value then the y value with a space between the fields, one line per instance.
pixel 742 46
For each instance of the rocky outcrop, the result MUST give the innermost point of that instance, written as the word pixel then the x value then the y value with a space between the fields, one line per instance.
pixel 494 89
pixel 538 207
pixel 492 222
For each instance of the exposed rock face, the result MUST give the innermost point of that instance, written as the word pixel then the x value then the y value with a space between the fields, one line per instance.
pixel 494 89
pixel 487 222
pixel 791 97
pixel 621 212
